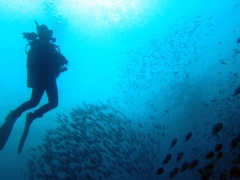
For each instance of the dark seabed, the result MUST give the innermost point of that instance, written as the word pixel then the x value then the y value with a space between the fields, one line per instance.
pixel 148 93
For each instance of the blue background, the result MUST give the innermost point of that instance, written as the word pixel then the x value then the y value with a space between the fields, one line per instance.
pixel 173 63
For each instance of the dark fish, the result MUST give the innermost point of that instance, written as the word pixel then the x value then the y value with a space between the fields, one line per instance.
pixel 238 40
pixel 167 159
pixel 224 175
pixel 218 147
pixel 185 165
pixel 209 166
pixel 65 116
pixel 33 149
pixel 59 115
pixel 237 91
pixel 193 164
pixel 214 100
pixel 173 173
pixel 235 142
pixel 219 155
pixel 160 171
pixel 179 156
pixel 188 136
pixel 174 142
pixel 234 172
pixel 217 128
pixel 210 155
pixel 236 160
pixel 206 173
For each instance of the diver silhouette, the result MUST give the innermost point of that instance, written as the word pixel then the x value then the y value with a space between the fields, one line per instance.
pixel 44 65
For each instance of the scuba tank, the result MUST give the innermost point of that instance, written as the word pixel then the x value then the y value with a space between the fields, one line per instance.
pixel 43 35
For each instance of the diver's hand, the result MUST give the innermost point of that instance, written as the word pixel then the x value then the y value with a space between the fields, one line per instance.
pixel 63 68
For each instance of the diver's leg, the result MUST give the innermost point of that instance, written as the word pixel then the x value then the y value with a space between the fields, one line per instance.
pixel 52 93
pixel 6 128
pixel 37 94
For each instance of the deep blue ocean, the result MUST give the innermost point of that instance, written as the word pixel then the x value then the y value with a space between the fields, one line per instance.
pixel 147 80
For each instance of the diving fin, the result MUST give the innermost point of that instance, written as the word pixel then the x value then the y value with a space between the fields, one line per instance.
pixel 6 129
pixel 29 120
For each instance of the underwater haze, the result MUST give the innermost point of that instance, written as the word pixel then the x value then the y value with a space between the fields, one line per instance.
pixel 148 93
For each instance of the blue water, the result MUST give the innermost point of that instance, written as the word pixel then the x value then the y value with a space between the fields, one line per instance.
pixel 162 68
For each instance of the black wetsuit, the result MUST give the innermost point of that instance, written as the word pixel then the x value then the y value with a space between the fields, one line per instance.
pixel 43 64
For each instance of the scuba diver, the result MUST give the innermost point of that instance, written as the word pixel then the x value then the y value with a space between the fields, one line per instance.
pixel 237 91
pixel 44 65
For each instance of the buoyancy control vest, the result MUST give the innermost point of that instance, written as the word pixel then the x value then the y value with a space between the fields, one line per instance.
pixel 44 62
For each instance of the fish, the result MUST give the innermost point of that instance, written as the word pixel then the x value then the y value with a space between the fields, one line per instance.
pixel 59 115
pixel 173 173
pixel 214 100
pixel 224 175
pixel 193 164
pixel 65 116
pixel 33 149
pixel 236 160
pixel 210 155
pixel 207 171
pixel 179 156
pixel 237 91
pixel 234 172
pixel 160 171
pixel 188 136
pixel 221 61
pixel 217 128
pixel 218 147
pixel 235 142
pixel 209 166
pixel 167 159
pixel 174 142
pixel 184 167
pixel 219 155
